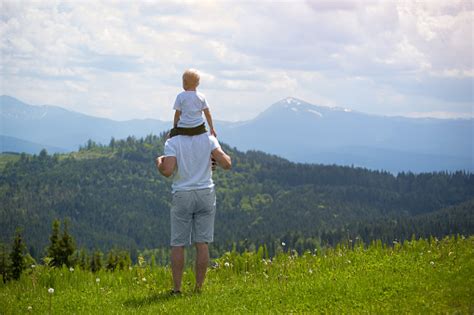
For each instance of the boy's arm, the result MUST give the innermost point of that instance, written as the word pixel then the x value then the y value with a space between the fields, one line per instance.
pixel 177 114
pixel 207 113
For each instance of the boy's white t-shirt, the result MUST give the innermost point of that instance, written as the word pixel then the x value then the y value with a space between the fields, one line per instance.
pixel 190 104
pixel 193 155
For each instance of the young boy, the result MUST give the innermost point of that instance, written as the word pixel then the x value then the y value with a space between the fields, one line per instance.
pixel 189 106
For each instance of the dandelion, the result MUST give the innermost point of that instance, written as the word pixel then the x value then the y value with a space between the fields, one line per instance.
pixel 71 269
pixel 144 279
pixel 226 264
pixel 432 263
pixel 97 280
pixel 50 291
pixel 283 244
pixel 311 271
pixel 30 308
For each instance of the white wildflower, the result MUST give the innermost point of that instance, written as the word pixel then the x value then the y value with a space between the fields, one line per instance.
pixel 311 271
pixel 97 280
pixel 33 266
pixel 226 264
pixel 432 263
pixel 144 279
pixel 30 308
pixel 71 269
pixel 50 290
pixel 283 244
pixel 130 268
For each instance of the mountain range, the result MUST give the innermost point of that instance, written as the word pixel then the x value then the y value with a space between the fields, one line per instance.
pixel 291 128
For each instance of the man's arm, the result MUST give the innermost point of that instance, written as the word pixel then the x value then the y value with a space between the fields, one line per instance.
pixel 166 165
pixel 222 158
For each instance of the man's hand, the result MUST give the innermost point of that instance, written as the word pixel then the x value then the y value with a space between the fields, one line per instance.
pixel 222 159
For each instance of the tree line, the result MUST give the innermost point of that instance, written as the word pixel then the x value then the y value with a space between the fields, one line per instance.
pixel 112 196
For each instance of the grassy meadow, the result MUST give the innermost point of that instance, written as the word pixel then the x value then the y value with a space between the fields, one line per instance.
pixel 417 276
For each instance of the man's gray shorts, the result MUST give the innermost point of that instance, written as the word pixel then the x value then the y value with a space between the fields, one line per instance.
pixel 192 216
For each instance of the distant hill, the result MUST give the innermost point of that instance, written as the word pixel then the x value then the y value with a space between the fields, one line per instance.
pixel 290 128
pixel 12 144
pixel 57 127
pixel 303 132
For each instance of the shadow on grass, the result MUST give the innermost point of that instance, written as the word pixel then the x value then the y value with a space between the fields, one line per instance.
pixel 158 297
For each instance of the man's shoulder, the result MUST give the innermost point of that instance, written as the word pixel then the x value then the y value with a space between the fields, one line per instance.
pixel 171 141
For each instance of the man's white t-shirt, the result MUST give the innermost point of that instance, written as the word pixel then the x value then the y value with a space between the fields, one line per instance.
pixel 193 155
pixel 190 104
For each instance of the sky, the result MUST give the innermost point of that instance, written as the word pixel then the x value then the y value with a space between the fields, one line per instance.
pixel 124 59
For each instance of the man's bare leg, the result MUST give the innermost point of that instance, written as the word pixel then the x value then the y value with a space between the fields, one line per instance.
pixel 202 261
pixel 177 265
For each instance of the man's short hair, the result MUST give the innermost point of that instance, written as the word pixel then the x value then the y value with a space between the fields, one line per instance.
pixel 191 79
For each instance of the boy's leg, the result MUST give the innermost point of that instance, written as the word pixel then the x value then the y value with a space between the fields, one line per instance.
pixel 177 265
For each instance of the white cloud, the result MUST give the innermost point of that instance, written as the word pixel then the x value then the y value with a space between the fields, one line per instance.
pixel 124 59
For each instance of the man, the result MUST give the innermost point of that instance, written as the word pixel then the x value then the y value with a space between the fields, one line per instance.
pixel 194 199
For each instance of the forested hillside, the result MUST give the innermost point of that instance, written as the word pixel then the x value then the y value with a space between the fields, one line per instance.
pixel 113 197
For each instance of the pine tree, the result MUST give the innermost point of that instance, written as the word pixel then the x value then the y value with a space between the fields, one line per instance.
pixel 83 260
pixel 67 246
pixel 124 260
pixel 61 247
pixel 112 260
pixel 17 256
pixel 54 249
pixel 96 261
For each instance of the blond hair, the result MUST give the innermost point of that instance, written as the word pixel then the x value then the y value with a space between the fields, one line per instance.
pixel 191 79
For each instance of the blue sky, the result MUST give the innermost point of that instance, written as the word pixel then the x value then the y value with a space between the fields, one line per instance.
pixel 124 59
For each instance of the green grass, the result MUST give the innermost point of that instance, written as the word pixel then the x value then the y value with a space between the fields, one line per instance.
pixel 422 276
